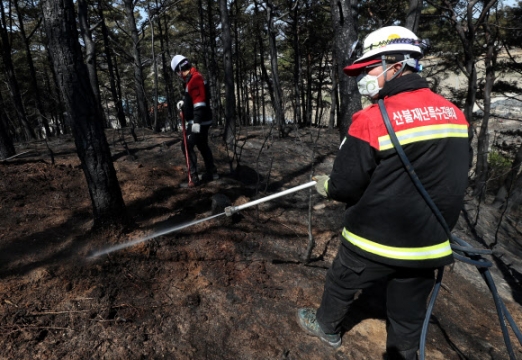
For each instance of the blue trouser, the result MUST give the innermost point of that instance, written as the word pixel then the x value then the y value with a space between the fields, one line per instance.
pixel 407 293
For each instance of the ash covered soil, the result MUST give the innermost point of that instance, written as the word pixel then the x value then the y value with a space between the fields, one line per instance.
pixel 227 288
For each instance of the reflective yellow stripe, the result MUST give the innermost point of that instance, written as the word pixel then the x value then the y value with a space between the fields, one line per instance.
pixel 420 253
pixel 428 132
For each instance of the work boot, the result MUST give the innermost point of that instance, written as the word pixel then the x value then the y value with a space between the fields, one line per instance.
pixel 195 183
pixel 209 176
pixel 307 320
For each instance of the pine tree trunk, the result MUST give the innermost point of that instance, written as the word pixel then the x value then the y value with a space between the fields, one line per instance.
pixel 278 98
pixel 90 55
pixel 345 34
pixel 490 62
pixel 467 30
pixel 167 71
pixel 413 16
pixel 230 122
pixel 11 78
pixel 213 68
pixel 141 99
pixel 42 119
pixel 116 98
pixel 333 93
pixel 156 124
pixel 264 72
pixel 91 144
pixel 297 63
pixel 6 143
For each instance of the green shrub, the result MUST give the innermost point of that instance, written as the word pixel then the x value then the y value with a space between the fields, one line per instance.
pixel 499 166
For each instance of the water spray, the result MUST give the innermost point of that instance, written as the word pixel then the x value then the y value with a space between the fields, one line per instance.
pixel 229 211
pixel 152 236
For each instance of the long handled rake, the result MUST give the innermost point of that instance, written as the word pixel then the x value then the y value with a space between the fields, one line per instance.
pixel 184 129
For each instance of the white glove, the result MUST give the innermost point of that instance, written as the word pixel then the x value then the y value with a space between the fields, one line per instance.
pixel 196 128
pixel 322 184
pixel 179 104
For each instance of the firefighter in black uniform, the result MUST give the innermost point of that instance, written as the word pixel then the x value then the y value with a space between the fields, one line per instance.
pixel 389 230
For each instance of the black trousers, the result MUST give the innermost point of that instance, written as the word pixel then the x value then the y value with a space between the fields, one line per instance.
pixel 200 140
pixel 407 293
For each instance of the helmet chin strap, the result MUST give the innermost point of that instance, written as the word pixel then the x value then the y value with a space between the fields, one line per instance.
pixel 383 61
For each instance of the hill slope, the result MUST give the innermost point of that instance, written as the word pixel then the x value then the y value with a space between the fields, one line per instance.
pixel 226 288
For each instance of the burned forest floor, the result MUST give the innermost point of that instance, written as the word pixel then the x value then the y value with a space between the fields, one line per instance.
pixel 224 288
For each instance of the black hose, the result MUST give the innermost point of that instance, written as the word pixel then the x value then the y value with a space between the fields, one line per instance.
pixel 473 262
pixel 429 310
pixel 469 250
pixel 512 323
pixel 500 310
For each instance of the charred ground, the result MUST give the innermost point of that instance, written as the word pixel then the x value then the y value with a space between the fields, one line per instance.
pixel 226 288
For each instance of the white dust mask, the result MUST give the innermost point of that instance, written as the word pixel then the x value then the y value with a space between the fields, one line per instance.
pixel 368 85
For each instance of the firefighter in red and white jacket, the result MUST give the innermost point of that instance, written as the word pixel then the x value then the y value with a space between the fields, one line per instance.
pixel 198 118
pixel 389 230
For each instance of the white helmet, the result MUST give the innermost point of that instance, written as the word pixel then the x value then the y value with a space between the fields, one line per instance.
pixel 387 40
pixel 177 62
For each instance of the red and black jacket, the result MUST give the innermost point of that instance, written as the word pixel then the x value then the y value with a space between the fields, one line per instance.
pixel 387 220
pixel 196 104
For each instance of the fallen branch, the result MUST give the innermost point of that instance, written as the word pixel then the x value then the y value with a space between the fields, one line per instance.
pixel 14 156
pixel 56 312
pixel 20 328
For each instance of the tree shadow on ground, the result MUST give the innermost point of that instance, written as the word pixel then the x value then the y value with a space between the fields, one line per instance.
pixel 276 185
pixel 247 175
pixel 133 150
pixel 23 255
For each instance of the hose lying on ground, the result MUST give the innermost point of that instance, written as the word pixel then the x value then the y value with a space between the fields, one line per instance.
pixel 462 251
